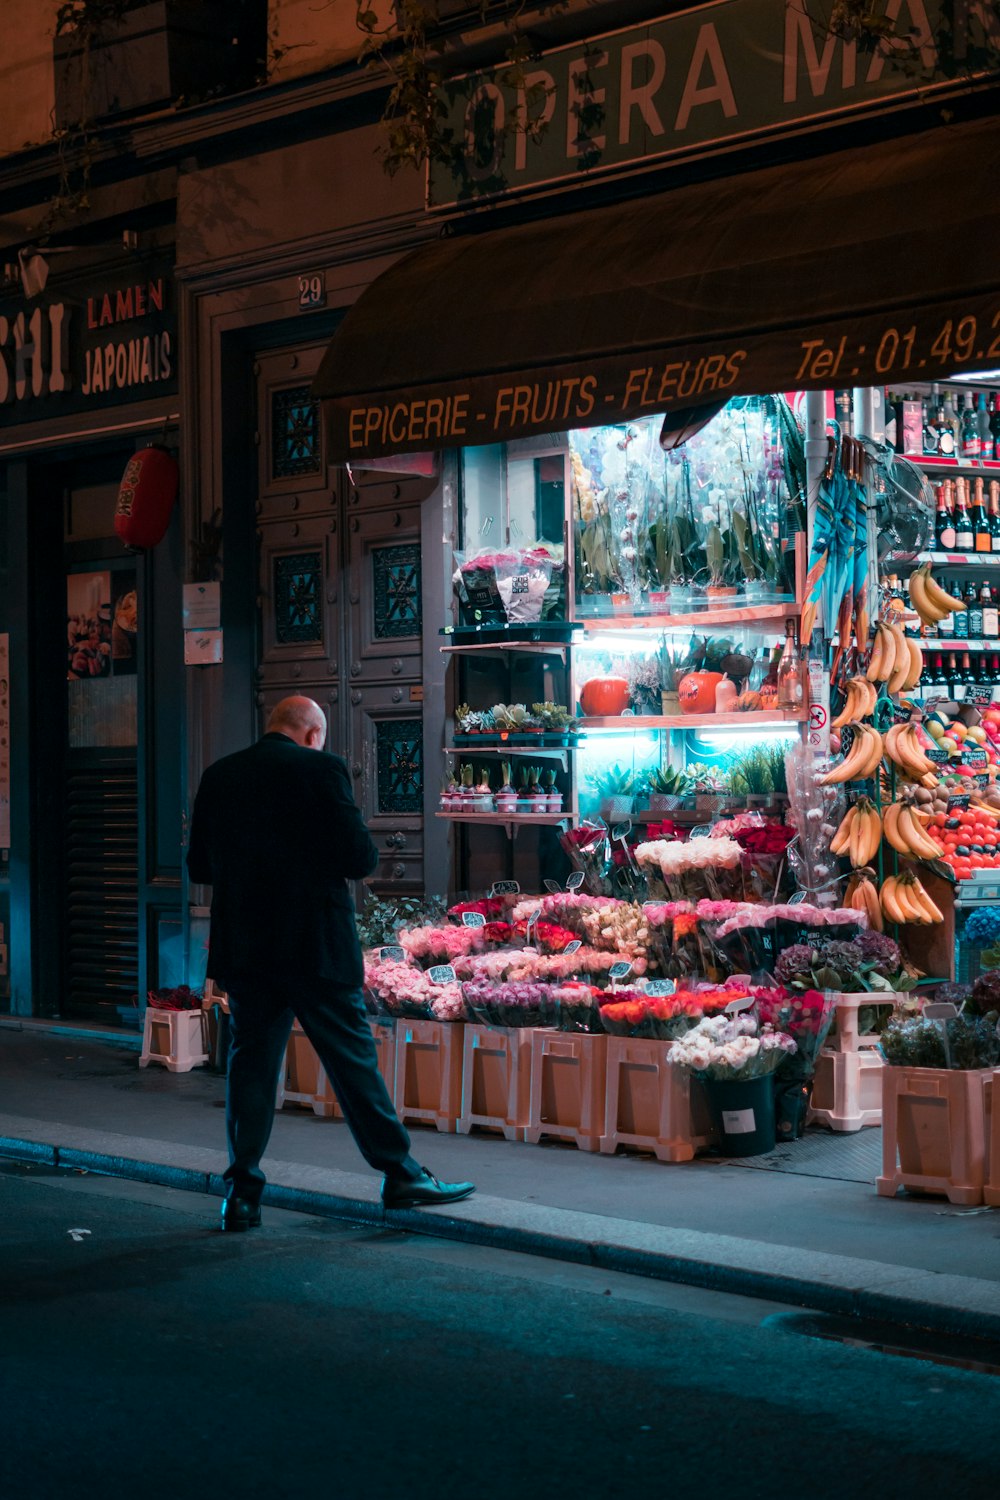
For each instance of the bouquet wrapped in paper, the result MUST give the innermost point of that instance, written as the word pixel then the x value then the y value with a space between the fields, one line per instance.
pixel 731 1047
pixel 691 871
pixel 513 1003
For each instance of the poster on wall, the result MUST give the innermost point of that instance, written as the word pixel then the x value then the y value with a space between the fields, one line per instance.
pixel 101 625
pixel 4 741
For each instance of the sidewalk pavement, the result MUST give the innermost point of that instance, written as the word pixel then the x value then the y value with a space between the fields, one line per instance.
pixel 803 1225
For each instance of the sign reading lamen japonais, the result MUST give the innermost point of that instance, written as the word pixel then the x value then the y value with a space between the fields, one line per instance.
pixel 714 74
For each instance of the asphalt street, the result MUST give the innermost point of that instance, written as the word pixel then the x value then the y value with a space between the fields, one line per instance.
pixel 140 1347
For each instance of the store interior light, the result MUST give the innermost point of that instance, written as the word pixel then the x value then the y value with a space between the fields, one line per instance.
pixel 741 739
pixel 978 377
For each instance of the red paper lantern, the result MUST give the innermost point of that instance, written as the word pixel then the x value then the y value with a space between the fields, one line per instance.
pixel 146 497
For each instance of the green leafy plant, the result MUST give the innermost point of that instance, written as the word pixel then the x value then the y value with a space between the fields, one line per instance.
pixel 915 1042
pixel 775 756
pixel 613 781
pixel 381 918
pixel 668 781
pixel 750 774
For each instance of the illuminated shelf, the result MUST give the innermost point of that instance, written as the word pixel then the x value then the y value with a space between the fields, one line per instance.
pixel 717 617
pixel 550 818
pixel 944 559
pixel 553 751
pixel 953 465
pixel 754 720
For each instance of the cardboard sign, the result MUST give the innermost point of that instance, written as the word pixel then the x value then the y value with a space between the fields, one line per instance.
pixel 575 880
pixel 975 758
pixel 958 803
pixel 392 955
pixel 441 974
pixel 573 946
pixel 620 970
pixel 473 919
pixel 938 756
pixel 979 692
pixel 505 888
pixel 736 1006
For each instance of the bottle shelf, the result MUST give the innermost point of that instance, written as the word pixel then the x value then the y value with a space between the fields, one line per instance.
pixel 757 719
pixel 943 465
pixel 942 643
pixel 969 560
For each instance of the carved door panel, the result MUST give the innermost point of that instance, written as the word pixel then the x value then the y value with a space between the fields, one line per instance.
pixel 384 665
pixel 299 542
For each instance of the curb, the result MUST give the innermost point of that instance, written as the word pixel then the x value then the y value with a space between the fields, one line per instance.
pixel 956 1309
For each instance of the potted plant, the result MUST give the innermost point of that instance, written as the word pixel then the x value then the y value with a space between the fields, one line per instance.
pixel 666 787
pixel 553 797
pixel 506 798
pixel 672 668
pixel 718 555
pixel 484 795
pixel 642 673
pixel 615 787
pixel 750 777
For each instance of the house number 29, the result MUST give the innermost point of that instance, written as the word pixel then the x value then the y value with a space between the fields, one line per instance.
pixel 312 291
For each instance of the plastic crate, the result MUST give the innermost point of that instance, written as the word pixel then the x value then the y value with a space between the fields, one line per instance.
pixel 176 1039
pixel 427 1087
pixel 496 1080
pixel 305 1080
pixel 934 1133
pixel 649 1103
pixel 568 1087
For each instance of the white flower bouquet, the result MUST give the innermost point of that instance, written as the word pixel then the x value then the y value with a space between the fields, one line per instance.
pixel 731 1048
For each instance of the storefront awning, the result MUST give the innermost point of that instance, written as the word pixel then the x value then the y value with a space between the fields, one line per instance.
pixel 875 265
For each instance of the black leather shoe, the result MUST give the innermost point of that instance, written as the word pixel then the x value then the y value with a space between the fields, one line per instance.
pixel 239 1214
pixel 422 1192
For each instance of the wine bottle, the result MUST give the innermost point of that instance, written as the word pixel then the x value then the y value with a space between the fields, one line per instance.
pixel 944 526
pixel 960 617
pixel 995 422
pixel 981 519
pixel 991 616
pixel 952 674
pixel 964 534
pixel 974 610
pixel 994 515
pixel 970 445
pixel 930 423
pixel 791 672
pixel 987 611
pixel 948 427
pixel 987 448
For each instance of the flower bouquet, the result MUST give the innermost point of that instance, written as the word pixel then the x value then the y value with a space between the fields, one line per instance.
pixel 589 850
pixel 735 1059
pixel 764 843
pixel 440 945
pixel 577 1007
pixel 633 1013
pixel 509 586
pixel 964 1041
pixel 514 1003
pixel 400 990
pixel 693 870
pixel 806 1017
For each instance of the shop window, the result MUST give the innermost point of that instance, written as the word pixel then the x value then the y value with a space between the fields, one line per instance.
pixel 396 591
pixel 399 757
pixel 102 623
pixel 295 433
pixel 298 588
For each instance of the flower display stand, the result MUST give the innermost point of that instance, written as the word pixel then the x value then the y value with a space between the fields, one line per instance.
pixel 496 1080
pixel 847 1088
pixel 384 1037
pixel 568 1086
pixel 174 1038
pixel 428 1073
pixel 305 1080
pixel 991 1094
pixel 648 1102
pixel 934 1136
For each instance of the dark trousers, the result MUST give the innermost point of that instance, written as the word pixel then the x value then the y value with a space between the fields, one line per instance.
pixel 334 1019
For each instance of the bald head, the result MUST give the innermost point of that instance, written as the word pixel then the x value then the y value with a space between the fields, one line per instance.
pixel 301 719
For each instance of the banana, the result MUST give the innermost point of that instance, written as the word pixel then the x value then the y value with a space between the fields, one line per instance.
pixel 902 661
pixel 851 767
pixel 889 900
pixel 862 895
pixel 929 613
pixel 871 764
pixel 931 911
pixel 912 834
pixel 903 747
pixel 875 660
pixel 888 663
pixel 841 840
pixel 906 895
pixel 890 828
pixel 851 709
pixel 873 834
pixel 936 596
pixel 916 664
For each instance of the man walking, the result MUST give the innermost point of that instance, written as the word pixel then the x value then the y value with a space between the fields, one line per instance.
pixel 277 835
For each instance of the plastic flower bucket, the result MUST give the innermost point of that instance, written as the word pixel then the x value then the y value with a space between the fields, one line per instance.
pixel 743 1114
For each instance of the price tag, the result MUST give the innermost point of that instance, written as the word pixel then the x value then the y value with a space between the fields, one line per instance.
pixel 979 692
pixel 660 986
pixel 622 830
pixel 575 880
pixel 392 955
pixel 702 831
pixel 797 899
pixel 505 888
pixel 940 757
pixel 628 713
pixel 441 974
pixel 620 970
pixel 553 887
pixel 573 946
pixel 973 758
pixel 529 930
pixel 736 1006
pixel 473 919
pixel 982 781
pixel 959 803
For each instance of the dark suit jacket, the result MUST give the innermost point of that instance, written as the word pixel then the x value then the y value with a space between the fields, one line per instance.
pixel 277 835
